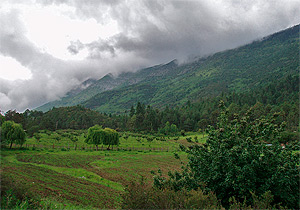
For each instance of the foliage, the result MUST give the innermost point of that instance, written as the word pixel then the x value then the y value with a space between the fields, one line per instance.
pixel 280 96
pixel 236 161
pixel 258 202
pixel 2 119
pixel 169 129
pixel 142 196
pixel 13 196
pixel 97 135
pixel 12 132
pixel 238 70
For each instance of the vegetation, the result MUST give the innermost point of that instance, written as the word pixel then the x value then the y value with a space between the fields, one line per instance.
pixel 97 135
pixel 242 153
pixel 12 132
pixel 238 160
pixel 239 70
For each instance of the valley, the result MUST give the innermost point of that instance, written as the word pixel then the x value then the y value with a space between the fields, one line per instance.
pixel 219 132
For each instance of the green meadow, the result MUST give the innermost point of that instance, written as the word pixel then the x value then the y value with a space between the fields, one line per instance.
pixel 63 178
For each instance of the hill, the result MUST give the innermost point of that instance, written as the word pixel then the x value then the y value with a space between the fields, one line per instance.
pixel 252 66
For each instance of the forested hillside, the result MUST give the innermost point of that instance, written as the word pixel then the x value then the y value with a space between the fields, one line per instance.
pixel 239 70
pixel 242 69
pixel 281 97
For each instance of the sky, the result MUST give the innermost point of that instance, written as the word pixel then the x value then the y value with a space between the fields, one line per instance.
pixel 48 47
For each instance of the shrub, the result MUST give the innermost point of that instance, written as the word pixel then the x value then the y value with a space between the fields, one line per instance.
pixel 235 161
pixel 189 139
pixel 143 196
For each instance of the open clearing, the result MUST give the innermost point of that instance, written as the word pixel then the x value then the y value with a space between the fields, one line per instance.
pixel 89 179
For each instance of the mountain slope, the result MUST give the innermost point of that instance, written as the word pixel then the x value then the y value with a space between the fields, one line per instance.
pixel 108 82
pixel 242 69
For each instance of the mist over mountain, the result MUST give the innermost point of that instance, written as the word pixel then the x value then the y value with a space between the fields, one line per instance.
pixel 240 70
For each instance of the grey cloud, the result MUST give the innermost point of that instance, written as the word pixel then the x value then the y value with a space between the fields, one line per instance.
pixel 75 47
pixel 151 32
pixel 97 48
pixel 52 78
pixel 159 31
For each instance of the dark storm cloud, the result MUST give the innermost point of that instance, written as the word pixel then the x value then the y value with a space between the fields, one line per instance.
pixel 160 31
pixel 150 32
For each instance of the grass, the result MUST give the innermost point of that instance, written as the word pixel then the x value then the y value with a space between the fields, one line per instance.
pixel 92 179
pixel 44 182
pixel 133 142
pixel 87 178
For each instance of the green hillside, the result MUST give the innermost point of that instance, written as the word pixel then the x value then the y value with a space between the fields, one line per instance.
pixel 242 69
pixel 252 66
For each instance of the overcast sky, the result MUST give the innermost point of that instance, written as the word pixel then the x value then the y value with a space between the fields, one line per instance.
pixel 48 47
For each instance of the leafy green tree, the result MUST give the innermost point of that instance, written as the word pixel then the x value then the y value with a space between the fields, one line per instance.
pixel 94 135
pixel 97 135
pixel 167 128
pixel 12 132
pixel 236 161
pixel 110 137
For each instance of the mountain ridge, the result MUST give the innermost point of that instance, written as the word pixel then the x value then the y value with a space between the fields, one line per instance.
pixel 241 69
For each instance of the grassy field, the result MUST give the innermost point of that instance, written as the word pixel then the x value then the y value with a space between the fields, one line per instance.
pixel 134 140
pixel 85 178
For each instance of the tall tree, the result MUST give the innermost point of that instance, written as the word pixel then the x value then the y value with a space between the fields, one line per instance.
pixel 140 116
pixel 12 133
pixel 132 111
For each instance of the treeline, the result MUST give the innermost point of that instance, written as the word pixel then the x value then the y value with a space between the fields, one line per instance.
pixel 281 97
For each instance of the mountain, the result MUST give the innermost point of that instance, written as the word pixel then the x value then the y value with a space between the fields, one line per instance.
pixel 243 69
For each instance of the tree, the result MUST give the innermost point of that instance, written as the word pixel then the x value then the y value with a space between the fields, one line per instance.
pixel 132 111
pixel 173 129
pixel 97 135
pixel 236 161
pixel 140 115
pixel 74 139
pixel 110 137
pixel 94 135
pixel 12 132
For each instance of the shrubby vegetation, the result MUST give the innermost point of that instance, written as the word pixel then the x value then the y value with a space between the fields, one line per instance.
pixel 139 195
pixel 242 156
pixel 249 161
pixel 281 97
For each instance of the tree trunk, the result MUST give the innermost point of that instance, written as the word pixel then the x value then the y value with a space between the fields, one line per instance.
pixel 10 145
pixel 96 147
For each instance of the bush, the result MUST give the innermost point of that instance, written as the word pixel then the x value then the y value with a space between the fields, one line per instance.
pixel 143 196
pixel 189 139
pixel 235 161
